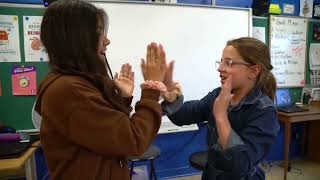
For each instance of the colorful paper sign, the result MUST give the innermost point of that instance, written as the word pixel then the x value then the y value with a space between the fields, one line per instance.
pixel 9 39
pixel 24 80
pixel 33 48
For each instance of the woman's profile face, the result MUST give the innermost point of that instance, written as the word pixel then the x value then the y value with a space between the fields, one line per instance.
pixel 103 41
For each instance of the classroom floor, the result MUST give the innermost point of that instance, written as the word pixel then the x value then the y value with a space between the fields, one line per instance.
pixel 301 170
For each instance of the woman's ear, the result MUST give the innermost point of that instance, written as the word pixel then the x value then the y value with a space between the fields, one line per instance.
pixel 254 71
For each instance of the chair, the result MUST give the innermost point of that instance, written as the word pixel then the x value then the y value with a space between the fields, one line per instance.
pixel 198 160
pixel 152 153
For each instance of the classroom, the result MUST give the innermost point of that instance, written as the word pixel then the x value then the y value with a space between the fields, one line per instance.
pixel 214 89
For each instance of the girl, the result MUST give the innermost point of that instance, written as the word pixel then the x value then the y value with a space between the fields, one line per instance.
pixel 86 130
pixel 242 119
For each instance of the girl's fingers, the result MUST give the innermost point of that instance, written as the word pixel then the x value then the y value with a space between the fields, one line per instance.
pixel 143 63
pixel 129 68
pixel 162 55
pixel 162 52
pixel 129 71
pixel 143 67
pixel 229 84
pixel 170 70
pixel 226 88
pixel 122 70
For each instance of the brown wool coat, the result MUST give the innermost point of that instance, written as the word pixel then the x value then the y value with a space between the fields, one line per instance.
pixel 84 136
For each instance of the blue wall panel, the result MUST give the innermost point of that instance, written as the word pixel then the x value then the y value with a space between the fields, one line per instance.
pixel 202 2
pixel 296 4
pixel 176 149
pixel 234 3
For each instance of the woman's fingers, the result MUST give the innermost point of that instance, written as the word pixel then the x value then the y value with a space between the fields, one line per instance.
pixel 125 70
pixel 148 56
pixel 116 76
pixel 152 60
pixel 154 67
pixel 157 53
pixel 132 77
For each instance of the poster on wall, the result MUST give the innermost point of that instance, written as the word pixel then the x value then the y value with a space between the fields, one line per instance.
pixel 314 56
pixel 316 10
pixel 315 77
pixel 306 8
pixel 315 94
pixel 259 33
pixel 33 48
pixel 288 9
pixel 24 80
pixel 288 37
pixel 9 39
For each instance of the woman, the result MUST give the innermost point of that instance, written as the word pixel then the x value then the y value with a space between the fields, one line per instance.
pixel 86 130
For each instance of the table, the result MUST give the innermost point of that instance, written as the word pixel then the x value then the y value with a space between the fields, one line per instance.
pixel 21 166
pixel 288 118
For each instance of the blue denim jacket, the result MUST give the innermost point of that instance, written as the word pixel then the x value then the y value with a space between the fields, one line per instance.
pixel 254 123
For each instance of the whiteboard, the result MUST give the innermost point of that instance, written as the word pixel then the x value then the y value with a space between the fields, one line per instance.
pixel 288 37
pixel 193 36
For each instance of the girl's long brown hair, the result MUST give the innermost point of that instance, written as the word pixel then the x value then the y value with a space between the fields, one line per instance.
pixel 70 37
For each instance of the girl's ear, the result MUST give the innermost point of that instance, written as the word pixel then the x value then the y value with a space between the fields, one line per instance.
pixel 254 71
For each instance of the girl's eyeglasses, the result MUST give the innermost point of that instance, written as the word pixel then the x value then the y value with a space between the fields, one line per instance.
pixel 229 63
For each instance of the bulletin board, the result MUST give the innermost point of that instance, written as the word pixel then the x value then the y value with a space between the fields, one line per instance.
pixel 263 22
pixel 15 111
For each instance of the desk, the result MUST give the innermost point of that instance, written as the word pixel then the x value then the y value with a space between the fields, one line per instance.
pixel 313 141
pixel 288 118
pixel 21 166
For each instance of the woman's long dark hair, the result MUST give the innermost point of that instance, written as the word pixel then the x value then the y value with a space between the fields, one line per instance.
pixel 69 35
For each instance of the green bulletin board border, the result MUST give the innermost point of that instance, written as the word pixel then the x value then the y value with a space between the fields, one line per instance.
pixel 15 111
